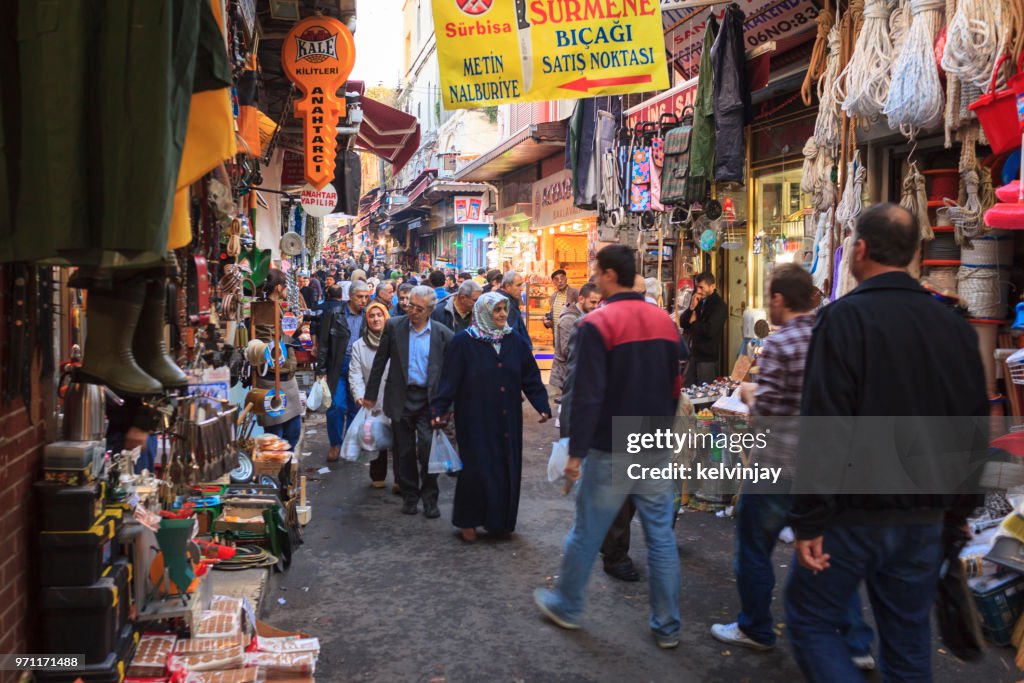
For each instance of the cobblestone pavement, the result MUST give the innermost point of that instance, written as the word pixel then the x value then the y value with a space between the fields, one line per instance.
pixel 400 599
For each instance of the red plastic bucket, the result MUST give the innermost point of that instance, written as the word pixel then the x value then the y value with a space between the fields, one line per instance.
pixel 997 112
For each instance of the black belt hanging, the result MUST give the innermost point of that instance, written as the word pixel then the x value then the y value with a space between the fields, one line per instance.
pixel 44 321
pixel 19 355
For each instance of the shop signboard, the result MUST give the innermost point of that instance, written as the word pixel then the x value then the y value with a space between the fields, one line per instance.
pixel 468 210
pixel 553 201
pixel 293 170
pixel 320 202
pixel 497 51
pixel 317 56
pixel 765 20
pixel 669 102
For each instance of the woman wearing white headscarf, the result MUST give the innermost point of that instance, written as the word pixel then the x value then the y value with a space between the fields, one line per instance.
pixel 486 369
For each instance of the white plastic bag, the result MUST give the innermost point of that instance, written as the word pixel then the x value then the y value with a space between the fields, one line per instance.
pixel 558 461
pixel 315 397
pixel 325 391
pixel 375 434
pixel 350 445
pixel 443 458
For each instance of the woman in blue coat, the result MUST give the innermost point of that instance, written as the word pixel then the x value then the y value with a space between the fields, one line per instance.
pixel 486 368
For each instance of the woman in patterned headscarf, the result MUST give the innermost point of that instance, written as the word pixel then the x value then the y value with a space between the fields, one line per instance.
pixel 363 351
pixel 486 368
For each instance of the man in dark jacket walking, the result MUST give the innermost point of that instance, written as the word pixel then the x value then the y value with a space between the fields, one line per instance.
pixel 704 321
pixel 628 351
pixel 455 311
pixel 512 288
pixel 885 349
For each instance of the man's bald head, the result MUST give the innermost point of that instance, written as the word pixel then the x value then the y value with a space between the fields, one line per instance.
pixel 890 235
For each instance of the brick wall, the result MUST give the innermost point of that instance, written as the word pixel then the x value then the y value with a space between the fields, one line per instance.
pixel 22 436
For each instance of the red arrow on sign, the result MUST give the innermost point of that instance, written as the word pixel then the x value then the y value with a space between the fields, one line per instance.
pixel 584 84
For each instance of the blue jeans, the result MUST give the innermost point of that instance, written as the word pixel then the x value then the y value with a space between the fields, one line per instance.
pixel 900 565
pixel 339 409
pixel 290 431
pixel 759 519
pixel 597 503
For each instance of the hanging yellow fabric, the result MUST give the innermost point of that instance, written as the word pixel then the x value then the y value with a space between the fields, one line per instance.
pixel 209 141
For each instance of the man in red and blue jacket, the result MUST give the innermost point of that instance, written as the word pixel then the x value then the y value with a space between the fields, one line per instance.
pixel 627 364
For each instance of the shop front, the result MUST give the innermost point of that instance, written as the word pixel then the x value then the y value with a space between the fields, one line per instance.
pixel 460 241
pixel 562 236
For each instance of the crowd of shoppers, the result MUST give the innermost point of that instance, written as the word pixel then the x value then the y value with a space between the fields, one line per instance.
pixel 452 348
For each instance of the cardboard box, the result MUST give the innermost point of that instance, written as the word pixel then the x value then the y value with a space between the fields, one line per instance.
pixel 240 519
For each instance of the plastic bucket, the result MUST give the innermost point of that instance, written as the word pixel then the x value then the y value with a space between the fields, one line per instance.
pixel 997 113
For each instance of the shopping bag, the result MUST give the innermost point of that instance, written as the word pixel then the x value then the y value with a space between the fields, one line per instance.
pixel 443 458
pixel 375 434
pixel 351 444
pixel 325 391
pixel 315 398
pixel 558 461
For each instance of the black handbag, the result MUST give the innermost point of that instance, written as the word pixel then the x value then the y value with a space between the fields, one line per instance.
pixel 955 609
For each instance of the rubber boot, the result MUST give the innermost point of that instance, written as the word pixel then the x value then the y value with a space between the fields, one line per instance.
pixel 112 317
pixel 149 346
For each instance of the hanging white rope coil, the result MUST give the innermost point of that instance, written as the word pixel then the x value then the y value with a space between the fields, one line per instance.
pixel 849 209
pixel 974 41
pixel 820 149
pixel 821 269
pixel 851 204
pixel 866 76
pixel 916 99
pixel 966 218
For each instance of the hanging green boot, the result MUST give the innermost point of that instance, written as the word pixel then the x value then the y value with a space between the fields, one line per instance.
pixel 112 317
pixel 149 345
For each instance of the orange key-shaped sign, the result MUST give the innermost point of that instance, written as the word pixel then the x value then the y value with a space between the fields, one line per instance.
pixel 318 56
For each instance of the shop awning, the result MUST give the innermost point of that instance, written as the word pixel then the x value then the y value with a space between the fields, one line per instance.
pixel 443 187
pixel 527 146
pixel 385 131
pixel 685 22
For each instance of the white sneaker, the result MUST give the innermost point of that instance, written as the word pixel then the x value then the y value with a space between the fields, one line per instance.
pixel 864 662
pixel 731 633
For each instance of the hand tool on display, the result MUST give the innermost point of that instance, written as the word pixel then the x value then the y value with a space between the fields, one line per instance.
pixel 525 45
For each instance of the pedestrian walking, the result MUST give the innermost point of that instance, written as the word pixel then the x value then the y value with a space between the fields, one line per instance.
pixel 456 311
pixel 761 516
pixel 512 289
pixel 874 353
pixel 493 281
pixel 704 322
pixel 563 296
pixel 587 300
pixel 415 346
pixel 486 369
pixel 337 335
pixel 402 306
pixel 629 352
pixel 363 352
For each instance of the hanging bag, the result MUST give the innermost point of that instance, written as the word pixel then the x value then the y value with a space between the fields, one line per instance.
pixel 443 458
pixel 640 175
pixel 677 161
pixel 351 446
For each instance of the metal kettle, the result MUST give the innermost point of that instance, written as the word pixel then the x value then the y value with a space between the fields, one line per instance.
pixel 85 410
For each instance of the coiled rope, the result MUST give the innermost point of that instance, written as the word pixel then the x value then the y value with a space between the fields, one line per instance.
pixel 866 77
pixel 916 98
pixel 915 200
pixel 974 41
pixel 847 212
pixel 820 149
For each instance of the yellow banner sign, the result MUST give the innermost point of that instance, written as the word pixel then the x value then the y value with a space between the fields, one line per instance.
pixel 496 51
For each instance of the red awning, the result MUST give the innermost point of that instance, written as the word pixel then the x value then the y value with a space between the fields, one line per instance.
pixel 389 133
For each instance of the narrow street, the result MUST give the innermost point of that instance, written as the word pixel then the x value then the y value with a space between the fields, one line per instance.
pixel 397 598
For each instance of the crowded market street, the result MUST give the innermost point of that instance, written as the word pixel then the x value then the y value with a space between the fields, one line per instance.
pixel 398 599
pixel 460 341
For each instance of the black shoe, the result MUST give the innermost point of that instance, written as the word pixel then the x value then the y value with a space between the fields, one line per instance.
pixel 409 507
pixel 430 511
pixel 624 571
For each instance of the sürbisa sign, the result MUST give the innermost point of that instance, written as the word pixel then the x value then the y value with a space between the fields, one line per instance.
pixel 495 51
pixel 318 56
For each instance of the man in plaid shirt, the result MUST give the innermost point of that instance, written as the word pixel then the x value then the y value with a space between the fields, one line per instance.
pixel 761 516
